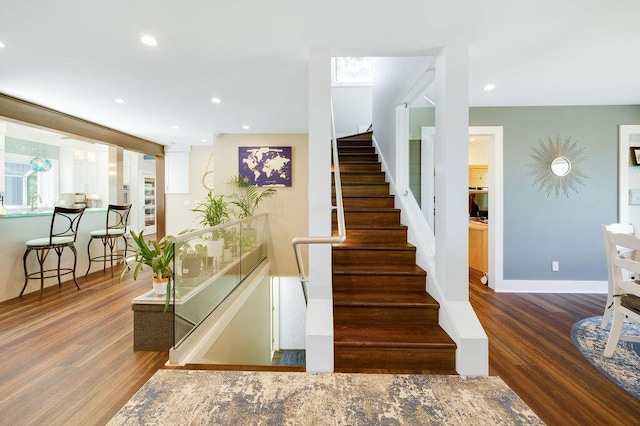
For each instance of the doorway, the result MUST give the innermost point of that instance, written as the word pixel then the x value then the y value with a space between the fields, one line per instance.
pixel 493 135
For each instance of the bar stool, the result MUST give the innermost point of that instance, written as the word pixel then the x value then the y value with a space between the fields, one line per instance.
pixel 116 227
pixel 63 232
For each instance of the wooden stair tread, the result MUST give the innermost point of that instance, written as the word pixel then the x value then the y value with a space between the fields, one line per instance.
pixel 360 246
pixel 392 336
pixel 365 183
pixel 371 209
pixel 373 270
pixel 358 162
pixel 359 172
pixel 367 196
pixel 366 298
pixel 372 227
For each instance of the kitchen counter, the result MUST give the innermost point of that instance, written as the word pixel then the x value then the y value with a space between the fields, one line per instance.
pixel 479 246
pixel 480 222
pixel 18 228
pixel 22 213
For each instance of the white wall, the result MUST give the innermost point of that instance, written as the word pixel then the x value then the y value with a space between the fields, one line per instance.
pixel 393 78
pixel 288 210
pixel 291 313
pixel 246 340
pixel 479 151
pixel 352 108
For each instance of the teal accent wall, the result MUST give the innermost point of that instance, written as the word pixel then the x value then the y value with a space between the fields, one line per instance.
pixel 421 117
pixel 539 229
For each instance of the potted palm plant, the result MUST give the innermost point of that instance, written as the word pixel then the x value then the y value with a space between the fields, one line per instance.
pixel 247 196
pixel 158 255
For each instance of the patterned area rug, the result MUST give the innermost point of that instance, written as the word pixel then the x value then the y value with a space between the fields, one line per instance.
pixel 205 397
pixel 623 368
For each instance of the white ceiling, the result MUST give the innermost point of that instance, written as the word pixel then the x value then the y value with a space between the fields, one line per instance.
pixel 77 56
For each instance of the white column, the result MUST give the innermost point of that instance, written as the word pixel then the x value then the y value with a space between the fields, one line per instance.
pixel 451 156
pixel 319 333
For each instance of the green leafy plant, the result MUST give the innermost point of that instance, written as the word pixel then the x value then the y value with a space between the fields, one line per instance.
pixel 158 255
pixel 247 196
pixel 214 210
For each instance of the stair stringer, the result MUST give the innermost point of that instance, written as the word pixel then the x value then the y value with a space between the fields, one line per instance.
pixel 457 318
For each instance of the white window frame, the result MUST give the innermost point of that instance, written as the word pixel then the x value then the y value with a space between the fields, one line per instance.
pixel 336 83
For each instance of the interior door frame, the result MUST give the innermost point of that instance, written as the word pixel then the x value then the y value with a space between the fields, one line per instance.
pixel 624 135
pixel 496 203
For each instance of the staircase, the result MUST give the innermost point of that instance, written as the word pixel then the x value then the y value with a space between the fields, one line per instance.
pixel 384 321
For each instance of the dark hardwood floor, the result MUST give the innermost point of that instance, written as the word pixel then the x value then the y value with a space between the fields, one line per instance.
pixel 69 359
pixel 530 348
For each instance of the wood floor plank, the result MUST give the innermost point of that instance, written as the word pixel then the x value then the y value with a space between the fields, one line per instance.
pixel 69 359
pixel 531 349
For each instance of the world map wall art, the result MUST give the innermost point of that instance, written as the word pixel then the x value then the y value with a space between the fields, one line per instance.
pixel 265 166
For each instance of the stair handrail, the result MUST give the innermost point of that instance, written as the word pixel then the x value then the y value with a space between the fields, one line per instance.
pixel 342 234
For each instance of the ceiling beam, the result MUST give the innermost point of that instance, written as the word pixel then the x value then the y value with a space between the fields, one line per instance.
pixel 25 112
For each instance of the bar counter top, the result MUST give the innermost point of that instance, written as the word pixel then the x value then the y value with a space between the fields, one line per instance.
pixel 20 213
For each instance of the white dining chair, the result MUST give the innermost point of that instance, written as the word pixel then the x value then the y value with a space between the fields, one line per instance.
pixel 619 228
pixel 624 254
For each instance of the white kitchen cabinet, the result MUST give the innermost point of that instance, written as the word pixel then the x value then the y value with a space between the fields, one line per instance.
pixel 176 166
pixel 478 176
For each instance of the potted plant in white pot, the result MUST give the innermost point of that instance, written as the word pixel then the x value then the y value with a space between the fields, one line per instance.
pixel 213 211
pixel 158 255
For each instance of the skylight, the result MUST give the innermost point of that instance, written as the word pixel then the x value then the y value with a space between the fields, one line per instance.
pixel 351 71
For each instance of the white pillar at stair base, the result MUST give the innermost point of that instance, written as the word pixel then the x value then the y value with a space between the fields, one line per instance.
pixel 319 338
pixel 452 160
pixel 452 229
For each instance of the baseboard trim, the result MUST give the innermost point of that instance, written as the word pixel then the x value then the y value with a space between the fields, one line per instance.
pixel 559 286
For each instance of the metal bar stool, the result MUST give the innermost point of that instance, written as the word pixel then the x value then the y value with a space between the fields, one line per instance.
pixel 63 232
pixel 116 227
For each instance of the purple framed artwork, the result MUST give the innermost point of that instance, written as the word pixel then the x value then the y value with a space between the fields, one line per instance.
pixel 265 166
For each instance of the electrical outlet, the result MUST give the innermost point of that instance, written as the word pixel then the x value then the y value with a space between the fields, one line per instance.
pixel 555 266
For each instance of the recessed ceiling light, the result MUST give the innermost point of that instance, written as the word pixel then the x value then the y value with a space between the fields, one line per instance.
pixel 216 100
pixel 149 40
pixel 119 100
pixel 2 45
pixel 489 87
pixel 176 127
pixel 203 140
pixel 245 127
pixel 472 139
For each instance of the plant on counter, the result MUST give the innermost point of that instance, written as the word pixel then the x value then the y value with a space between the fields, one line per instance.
pixel 158 255
pixel 247 196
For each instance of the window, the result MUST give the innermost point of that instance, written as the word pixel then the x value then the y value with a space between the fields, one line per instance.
pixel 351 71
pixel 22 182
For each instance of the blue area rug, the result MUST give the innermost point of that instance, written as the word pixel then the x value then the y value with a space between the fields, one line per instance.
pixel 623 368
pixel 293 358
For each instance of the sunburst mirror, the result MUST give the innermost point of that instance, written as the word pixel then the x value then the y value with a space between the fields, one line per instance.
pixel 558 166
